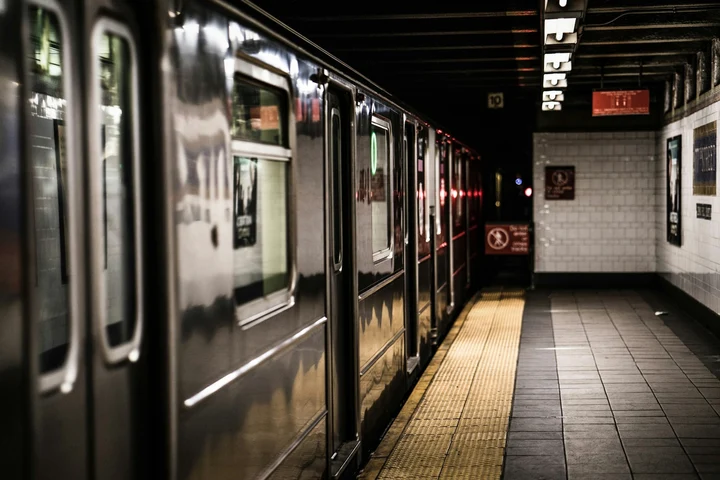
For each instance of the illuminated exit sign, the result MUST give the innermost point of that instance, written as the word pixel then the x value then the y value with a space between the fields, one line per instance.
pixel 620 102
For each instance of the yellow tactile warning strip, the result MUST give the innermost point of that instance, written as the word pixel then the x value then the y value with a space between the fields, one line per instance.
pixel 454 425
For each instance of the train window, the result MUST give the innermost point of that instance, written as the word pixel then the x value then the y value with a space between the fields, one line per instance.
pixel 115 180
pixel 336 152
pixel 381 188
pixel 117 168
pixel 261 179
pixel 421 192
pixel 458 191
pixel 49 164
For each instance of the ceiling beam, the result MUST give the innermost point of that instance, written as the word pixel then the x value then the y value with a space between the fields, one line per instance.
pixel 669 7
pixel 637 54
pixel 416 16
pixel 438 48
pixel 582 61
pixel 459 60
pixel 513 31
pixel 649 26
pixel 465 71
pixel 598 74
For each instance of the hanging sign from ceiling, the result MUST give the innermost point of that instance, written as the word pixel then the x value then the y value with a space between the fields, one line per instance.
pixel 620 102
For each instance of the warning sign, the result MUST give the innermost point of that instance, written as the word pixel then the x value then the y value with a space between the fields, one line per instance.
pixel 559 183
pixel 507 239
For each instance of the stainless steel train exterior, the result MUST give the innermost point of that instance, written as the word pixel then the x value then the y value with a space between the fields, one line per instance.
pixel 225 253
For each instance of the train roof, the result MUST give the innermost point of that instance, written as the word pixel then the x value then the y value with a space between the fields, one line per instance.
pixel 294 39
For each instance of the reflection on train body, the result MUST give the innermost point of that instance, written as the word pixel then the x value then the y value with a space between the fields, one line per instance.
pixel 225 256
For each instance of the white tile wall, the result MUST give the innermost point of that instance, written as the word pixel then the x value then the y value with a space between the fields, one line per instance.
pixel 694 266
pixel 610 226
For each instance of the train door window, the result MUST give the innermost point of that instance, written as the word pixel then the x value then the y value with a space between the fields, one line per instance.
pixel 422 191
pixel 117 167
pixel 458 189
pixel 51 158
pixel 261 195
pixel 381 188
pixel 336 152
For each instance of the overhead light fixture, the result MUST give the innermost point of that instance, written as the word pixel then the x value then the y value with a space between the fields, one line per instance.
pixel 563 3
pixel 553 96
pixel 551 106
pixel 556 60
pixel 555 80
pixel 560 27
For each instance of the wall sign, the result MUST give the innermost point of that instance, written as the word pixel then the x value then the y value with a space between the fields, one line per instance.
pixel 507 239
pixel 620 102
pixel 496 100
pixel 704 211
pixel 705 159
pixel 559 183
pixel 673 183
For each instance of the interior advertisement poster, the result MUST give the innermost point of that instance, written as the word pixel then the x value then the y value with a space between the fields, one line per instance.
pixel 674 181
pixel 245 202
pixel 705 159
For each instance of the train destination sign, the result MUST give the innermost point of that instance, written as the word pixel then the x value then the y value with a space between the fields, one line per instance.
pixel 507 239
pixel 620 102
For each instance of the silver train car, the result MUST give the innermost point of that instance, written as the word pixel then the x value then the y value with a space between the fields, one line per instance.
pixel 225 254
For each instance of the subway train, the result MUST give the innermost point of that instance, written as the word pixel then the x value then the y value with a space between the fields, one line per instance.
pixel 225 254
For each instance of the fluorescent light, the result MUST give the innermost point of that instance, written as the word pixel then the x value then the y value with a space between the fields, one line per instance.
pixel 559 27
pixel 551 106
pixel 553 96
pixel 557 59
pixel 551 80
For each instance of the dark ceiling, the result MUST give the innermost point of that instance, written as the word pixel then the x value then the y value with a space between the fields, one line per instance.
pixel 441 55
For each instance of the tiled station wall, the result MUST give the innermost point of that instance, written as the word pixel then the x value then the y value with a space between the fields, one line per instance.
pixel 611 224
pixel 694 266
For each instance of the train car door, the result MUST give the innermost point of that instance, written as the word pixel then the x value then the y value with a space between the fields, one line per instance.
pixel 443 268
pixel 411 250
pixel 342 406
pixel 115 218
pixel 54 221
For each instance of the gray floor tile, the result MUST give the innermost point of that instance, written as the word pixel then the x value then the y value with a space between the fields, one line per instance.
pixel 535 447
pixel 596 446
pixel 659 463
pixel 534 468
pixel 599 476
pixel 535 435
pixel 628 388
pixel 697 431
pixel 714 420
pixel 588 420
pixel 598 464
pixel 650 442
pixel 645 431
pixel 638 413
pixel 654 450
pixel 666 476
pixel 642 420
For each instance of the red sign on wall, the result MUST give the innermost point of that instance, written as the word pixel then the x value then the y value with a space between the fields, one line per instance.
pixel 507 239
pixel 621 102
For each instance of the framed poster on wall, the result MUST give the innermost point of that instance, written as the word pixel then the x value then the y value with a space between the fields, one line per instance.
pixel 705 160
pixel 674 194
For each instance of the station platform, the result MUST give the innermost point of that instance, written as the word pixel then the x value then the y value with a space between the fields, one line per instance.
pixel 562 385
